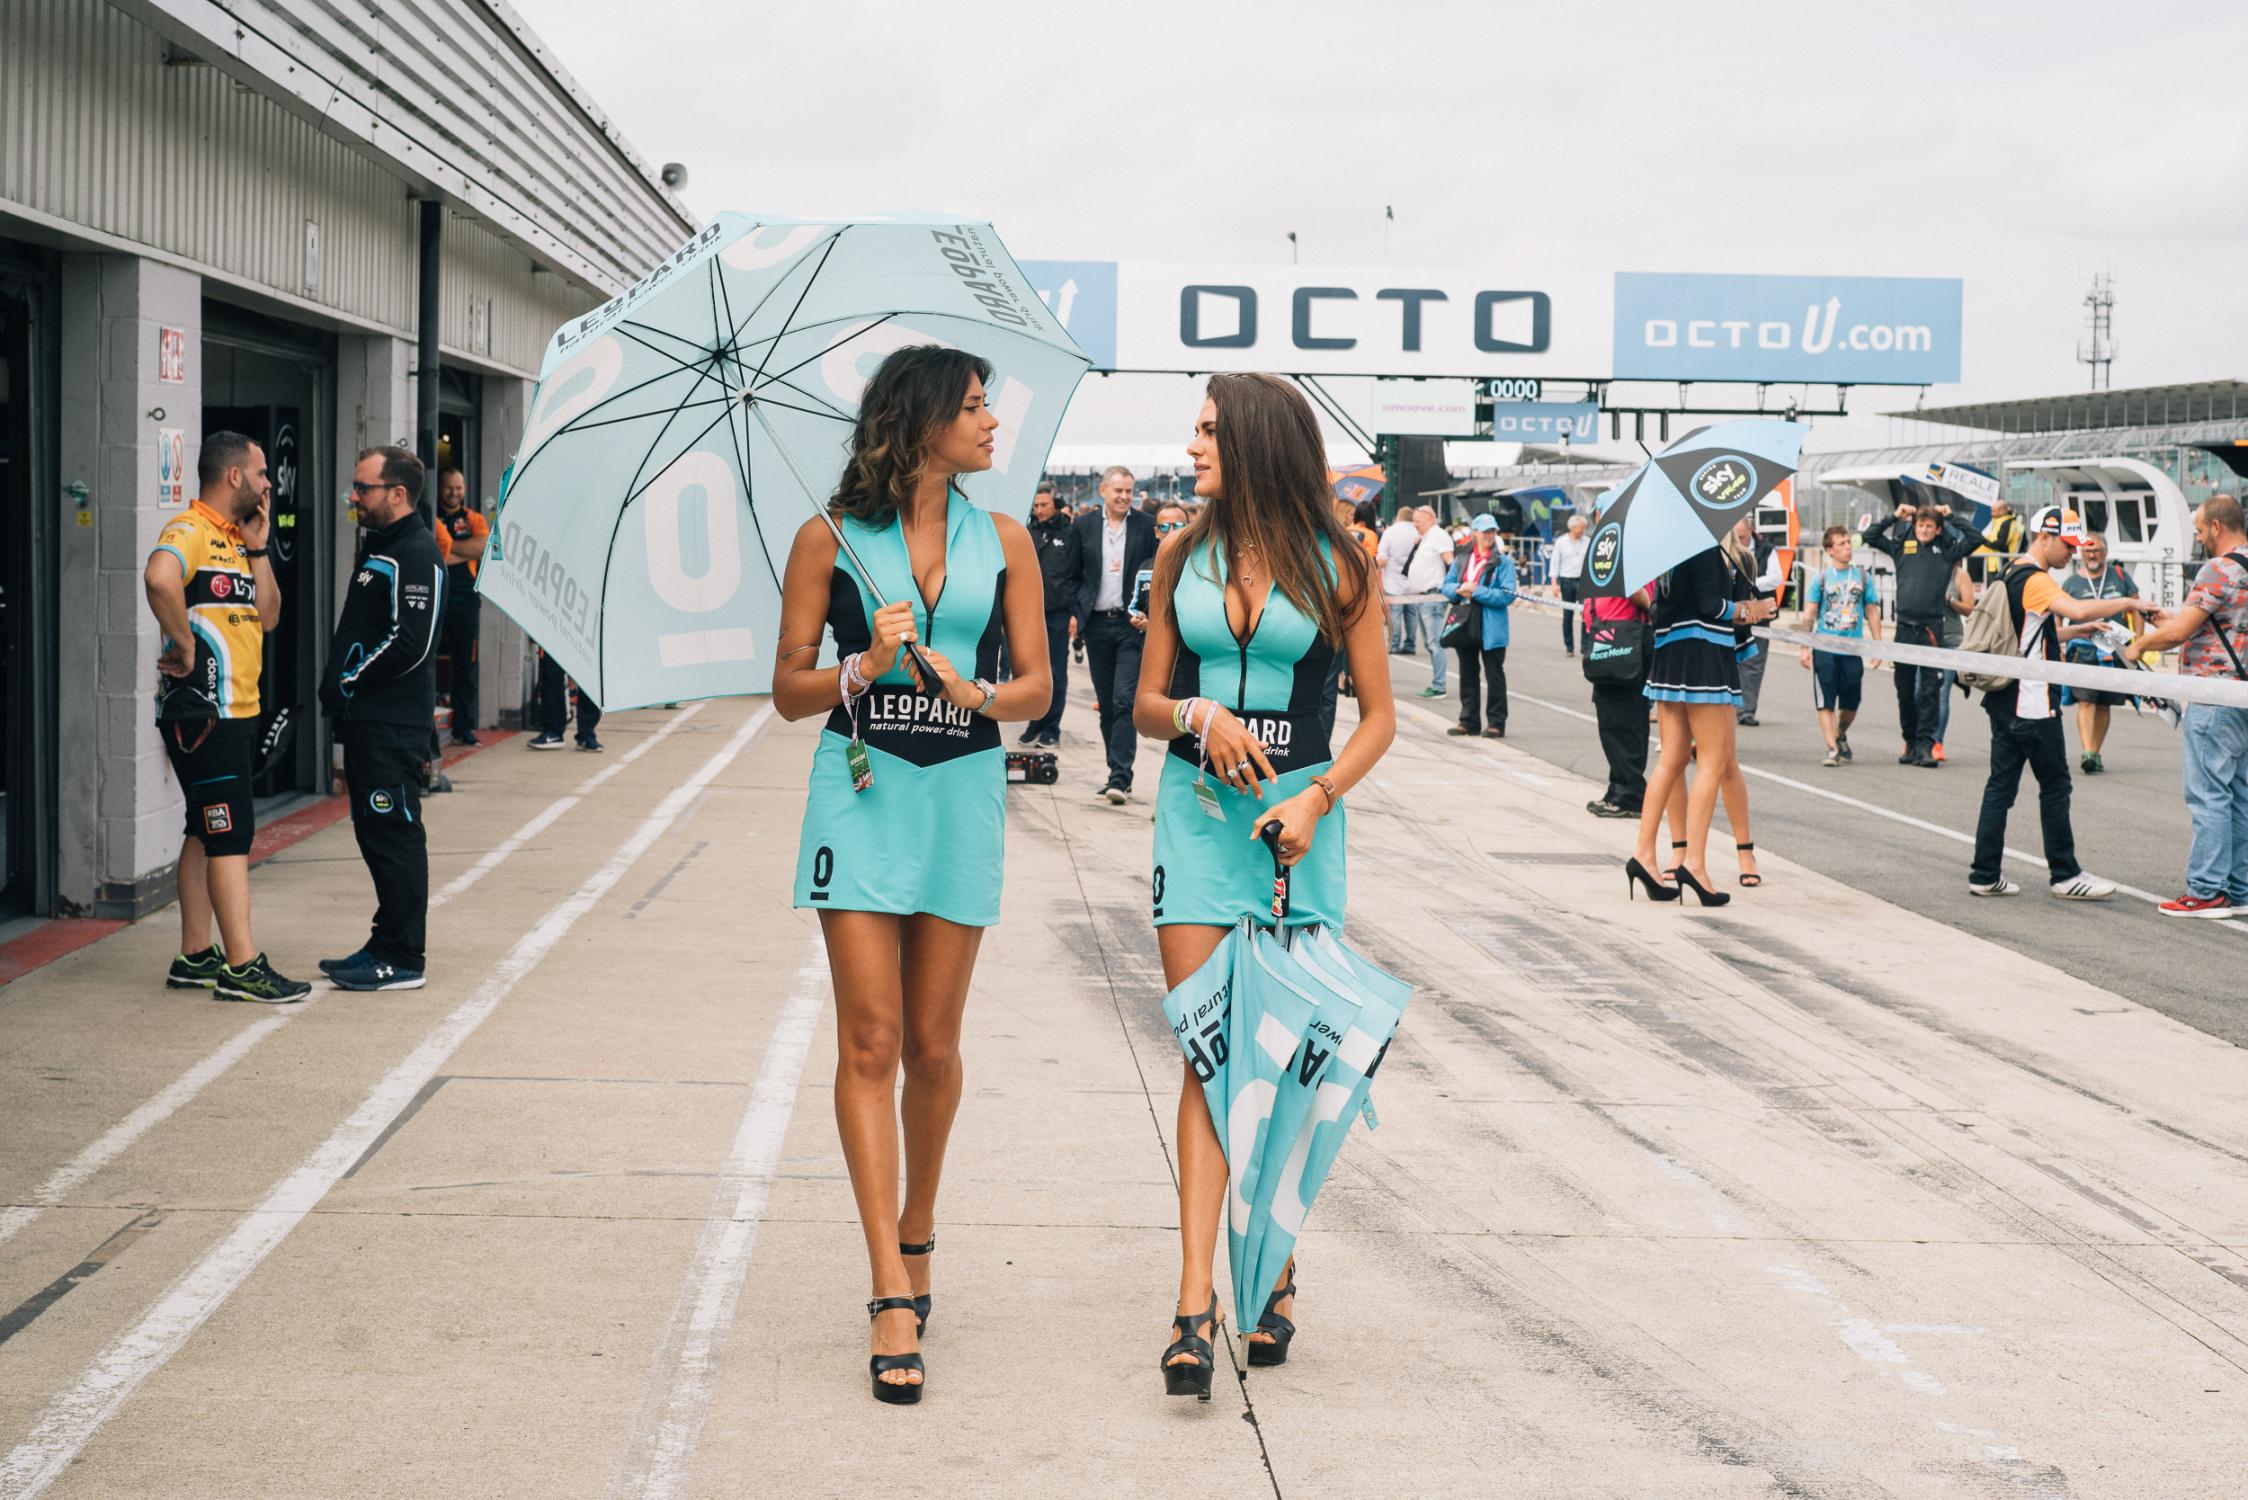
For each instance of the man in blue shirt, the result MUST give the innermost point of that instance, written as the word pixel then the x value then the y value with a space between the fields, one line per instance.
pixel 1838 600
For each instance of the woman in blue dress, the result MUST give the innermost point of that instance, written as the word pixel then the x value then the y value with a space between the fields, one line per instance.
pixel 901 848
pixel 1250 604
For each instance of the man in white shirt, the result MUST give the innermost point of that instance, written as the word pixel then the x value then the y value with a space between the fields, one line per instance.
pixel 1426 563
pixel 1568 558
pixel 1391 551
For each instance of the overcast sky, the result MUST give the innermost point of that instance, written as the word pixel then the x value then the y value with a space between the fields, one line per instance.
pixel 2018 146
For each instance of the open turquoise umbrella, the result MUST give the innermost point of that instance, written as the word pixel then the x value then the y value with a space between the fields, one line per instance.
pixel 682 432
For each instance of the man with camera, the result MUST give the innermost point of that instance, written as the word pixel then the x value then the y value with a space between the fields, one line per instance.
pixel 1926 544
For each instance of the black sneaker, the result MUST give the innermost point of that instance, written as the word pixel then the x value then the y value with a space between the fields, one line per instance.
pixel 589 743
pixel 1842 745
pixel 330 965
pixel 1029 736
pixel 1050 739
pixel 257 980
pixel 372 973
pixel 467 739
pixel 546 742
pixel 195 971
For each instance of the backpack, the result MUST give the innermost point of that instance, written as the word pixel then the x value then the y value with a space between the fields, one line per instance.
pixel 1990 629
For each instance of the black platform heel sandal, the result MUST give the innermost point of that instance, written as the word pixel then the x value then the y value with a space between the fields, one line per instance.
pixel 1749 878
pixel 1687 882
pixel 1191 1380
pixel 894 1393
pixel 926 1300
pixel 1637 875
pixel 1282 1330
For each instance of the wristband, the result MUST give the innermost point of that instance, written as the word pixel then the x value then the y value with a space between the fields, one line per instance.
pixel 253 551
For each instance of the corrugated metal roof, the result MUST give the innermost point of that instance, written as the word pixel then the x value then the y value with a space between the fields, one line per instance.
pixel 459 98
pixel 2078 411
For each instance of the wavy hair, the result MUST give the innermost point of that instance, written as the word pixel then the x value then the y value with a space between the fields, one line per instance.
pixel 914 392
pixel 1277 500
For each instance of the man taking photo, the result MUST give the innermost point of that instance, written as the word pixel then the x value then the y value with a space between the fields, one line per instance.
pixel 1927 545
pixel 214 596
pixel 380 686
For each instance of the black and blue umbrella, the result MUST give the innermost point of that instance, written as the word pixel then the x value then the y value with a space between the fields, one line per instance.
pixel 1681 502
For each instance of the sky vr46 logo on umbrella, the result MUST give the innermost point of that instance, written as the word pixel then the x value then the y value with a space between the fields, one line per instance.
pixel 1607 551
pixel 1724 483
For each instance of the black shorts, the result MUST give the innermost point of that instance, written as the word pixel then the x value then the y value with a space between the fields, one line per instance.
pixel 213 759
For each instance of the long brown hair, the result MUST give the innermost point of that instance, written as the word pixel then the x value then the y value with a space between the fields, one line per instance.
pixel 915 391
pixel 1276 499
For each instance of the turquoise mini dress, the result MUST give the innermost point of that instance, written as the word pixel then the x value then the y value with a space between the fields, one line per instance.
pixel 930 834
pixel 1211 873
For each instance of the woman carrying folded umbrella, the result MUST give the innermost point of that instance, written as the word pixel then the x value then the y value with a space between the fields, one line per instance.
pixel 1250 605
pixel 901 849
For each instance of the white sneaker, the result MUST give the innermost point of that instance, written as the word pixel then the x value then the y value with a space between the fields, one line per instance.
pixel 1999 887
pixel 2083 888
pixel 1116 795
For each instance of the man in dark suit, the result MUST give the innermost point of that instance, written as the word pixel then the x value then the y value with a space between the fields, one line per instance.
pixel 1107 553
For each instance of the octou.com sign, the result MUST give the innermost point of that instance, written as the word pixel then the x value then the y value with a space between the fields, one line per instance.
pixel 1855 330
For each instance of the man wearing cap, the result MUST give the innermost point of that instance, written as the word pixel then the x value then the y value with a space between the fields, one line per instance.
pixel 2025 724
pixel 2212 626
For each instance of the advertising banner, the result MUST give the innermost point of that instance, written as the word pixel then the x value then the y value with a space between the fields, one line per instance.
pixel 1974 484
pixel 1506 322
pixel 1544 421
pixel 1852 330
pixel 1423 408
pixel 1332 320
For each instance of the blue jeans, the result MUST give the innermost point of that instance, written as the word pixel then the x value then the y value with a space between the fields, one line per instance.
pixel 1402 618
pixel 1432 631
pixel 2216 756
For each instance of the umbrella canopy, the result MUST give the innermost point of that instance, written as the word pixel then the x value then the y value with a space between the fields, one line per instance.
pixel 1682 501
pixel 681 434
pixel 1358 485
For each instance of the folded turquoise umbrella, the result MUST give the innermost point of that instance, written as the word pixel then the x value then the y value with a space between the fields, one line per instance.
pixel 1326 1086
pixel 682 432
pixel 1284 1037
pixel 1239 1025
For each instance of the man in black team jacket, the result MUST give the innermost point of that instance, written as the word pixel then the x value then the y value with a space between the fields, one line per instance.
pixel 380 686
pixel 1049 533
pixel 1927 544
pixel 1107 552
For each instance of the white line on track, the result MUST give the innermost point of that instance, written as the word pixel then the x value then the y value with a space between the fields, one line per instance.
pixel 545 820
pixel 105 1385
pixel 68 1177
pixel 181 1091
pixel 684 1374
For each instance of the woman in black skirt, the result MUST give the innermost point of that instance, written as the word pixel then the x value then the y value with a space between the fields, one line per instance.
pixel 1694 680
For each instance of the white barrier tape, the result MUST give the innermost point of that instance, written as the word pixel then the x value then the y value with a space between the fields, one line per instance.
pixel 2170 687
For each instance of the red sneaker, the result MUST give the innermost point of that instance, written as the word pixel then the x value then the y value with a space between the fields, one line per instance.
pixel 2219 907
pixel 1938 750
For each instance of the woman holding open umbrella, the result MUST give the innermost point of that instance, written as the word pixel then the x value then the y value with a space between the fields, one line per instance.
pixel 1250 605
pixel 901 847
pixel 1694 679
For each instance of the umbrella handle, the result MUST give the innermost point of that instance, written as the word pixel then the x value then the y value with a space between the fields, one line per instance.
pixel 1281 874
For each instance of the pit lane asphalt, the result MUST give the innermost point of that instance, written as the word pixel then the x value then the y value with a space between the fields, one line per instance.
pixel 2130 821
